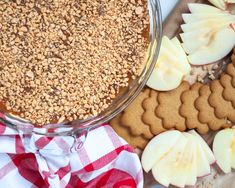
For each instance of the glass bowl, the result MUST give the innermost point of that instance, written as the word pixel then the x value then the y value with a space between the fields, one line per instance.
pixel 119 104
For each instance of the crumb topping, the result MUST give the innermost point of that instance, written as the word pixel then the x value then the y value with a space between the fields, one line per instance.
pixel 68 59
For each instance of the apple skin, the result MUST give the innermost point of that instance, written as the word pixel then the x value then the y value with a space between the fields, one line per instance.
pixel 204 175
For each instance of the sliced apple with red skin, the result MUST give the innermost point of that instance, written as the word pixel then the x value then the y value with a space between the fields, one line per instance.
pixel 158 147
pixel 183 163
pixel 203 8
pixel 218 47
pixel 224 149
pixel 212 32
pixel 177 158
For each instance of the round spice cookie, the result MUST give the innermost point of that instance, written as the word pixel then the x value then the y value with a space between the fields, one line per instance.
pixel 206 112
pixel 132 116
pixel 189 111
pixel 124 132
pixel 168 108
pixel 230 69
pixel 222 107
pixel 149 117
pixel 229 90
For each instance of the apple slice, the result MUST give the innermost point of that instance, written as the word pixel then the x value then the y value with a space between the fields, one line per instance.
pixel 207 151
pixel 172 65
pixel 203 8
pixel 218 3
pixel 224 149
pixel 209 23
pixel 199 38
pixel 176 61
pixel 191 18
pixel 181 53
pixel 165 77
pixel 220 45
pixel 192 171
pixel 158 147
pixel 172 168
pixel 168 44
pixel 203 164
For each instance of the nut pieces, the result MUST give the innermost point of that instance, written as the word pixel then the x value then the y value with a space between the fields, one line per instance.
pixel 67 58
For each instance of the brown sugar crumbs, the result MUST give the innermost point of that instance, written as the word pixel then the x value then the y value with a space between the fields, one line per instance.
pixel 68 59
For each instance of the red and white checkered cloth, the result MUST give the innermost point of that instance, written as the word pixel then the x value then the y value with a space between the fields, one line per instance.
pixel 105 160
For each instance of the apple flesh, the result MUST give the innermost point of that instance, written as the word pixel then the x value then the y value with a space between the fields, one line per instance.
pixel 209 155
pixel 157 147
pixel 199 38
pixel 212 32
pixel 175 56
pixel 221 45
pixel 164 77
pixel 218 3
pixel 222 4
pixel 172 65
pixel 172 168
pixel 191 18
pixel 224 149
pixel 177 158
pixel 203 8
pixel 192 171
pixel 211 23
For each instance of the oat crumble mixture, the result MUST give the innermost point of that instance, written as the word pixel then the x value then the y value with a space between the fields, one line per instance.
pixel 68 59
